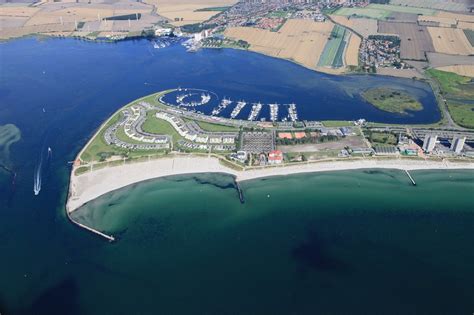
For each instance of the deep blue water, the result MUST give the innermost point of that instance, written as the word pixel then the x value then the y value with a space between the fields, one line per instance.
pixel 133 69
pixel 404 257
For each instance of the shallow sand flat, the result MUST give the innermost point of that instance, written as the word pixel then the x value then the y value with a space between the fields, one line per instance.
pixel 88 186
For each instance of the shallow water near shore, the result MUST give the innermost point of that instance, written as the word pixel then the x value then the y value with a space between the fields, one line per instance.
pixel 343 242
pixel 328 242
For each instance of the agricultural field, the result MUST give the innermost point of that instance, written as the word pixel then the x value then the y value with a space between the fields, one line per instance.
pixel 363 26
pixel 59 18
pixel 457 16
pixel 352 50
pixel 470 36
pixel 333 52
pixel 464 70
pixel 182 12
pixel 390 100
pixel 437 21
pixel 450 41
pixel 415 40
pixel 382 11
pixel 302 41
pixel 449 5
pixel 440 60
pixel 466 25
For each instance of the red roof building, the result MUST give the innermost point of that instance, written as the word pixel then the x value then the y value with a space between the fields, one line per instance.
pixel 275 157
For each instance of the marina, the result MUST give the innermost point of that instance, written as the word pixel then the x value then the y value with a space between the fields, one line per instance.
pixel 256 108
pixel 292 113
pixel 273 112
pixel 223 105
pixel 237 109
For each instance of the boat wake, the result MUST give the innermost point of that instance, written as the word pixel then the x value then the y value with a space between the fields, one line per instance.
pixel 39 170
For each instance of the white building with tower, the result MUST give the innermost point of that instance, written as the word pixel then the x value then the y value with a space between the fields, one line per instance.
pixel 457 144
pixel 429 143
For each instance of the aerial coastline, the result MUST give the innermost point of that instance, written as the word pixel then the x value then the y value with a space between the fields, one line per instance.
pixel 91 185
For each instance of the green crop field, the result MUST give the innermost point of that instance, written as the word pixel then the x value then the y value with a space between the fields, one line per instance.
pixel 334 50
pixel 470 36
pixel 382 11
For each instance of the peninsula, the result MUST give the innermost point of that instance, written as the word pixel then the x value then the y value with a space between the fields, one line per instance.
pixel 183 131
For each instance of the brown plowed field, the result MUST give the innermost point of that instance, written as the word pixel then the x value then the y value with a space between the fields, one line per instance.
pixel 415 39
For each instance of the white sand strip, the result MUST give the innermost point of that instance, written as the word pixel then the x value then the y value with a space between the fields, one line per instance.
pixel 90 185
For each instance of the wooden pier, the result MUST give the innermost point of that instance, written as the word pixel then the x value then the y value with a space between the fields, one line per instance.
pixel 411 178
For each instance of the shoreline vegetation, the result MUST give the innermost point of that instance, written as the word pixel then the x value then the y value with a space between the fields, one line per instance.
pixel 391 100
pixel 457 92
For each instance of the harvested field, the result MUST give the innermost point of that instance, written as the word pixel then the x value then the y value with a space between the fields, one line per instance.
pixel 466 25
pixel 401 73
pixel 299 40
pixel 432 4
pixel 60 17
pixel 382 11
pixel 403 17
pixel 439 21
pixel 415 40
pixel 363 26
pixel 352 51
pixel 440 60
pixel 464 70
pixel 450 41
pixel 457 16
pixel 187 9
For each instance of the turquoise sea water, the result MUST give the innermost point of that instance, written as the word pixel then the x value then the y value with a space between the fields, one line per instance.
pixel 354 242
pixel 328 243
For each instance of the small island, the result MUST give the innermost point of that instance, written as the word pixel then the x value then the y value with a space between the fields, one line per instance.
pixel 391 100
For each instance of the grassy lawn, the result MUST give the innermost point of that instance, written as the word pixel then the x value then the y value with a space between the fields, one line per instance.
pixel 337 123
pixel 462 114
pixel 215 127
pixel 98 147
pixel 332 53
pixel 382 137
pixel 390 100
pixel 159 126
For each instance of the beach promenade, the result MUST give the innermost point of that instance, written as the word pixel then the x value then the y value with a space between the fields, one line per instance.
pixel 90 185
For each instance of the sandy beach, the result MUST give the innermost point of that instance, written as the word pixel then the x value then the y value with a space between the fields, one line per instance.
pixel 88 186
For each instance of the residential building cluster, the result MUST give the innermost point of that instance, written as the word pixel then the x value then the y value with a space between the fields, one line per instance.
pixel 381 51
pixel 192 132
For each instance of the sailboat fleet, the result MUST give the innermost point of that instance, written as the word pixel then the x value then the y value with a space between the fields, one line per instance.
pixel 205 98
pixel 237 109
pixel 256 109
pixel 253 115
pixel 224 103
